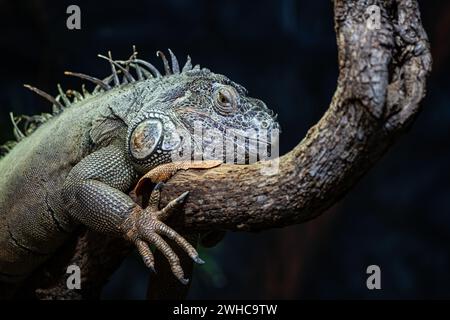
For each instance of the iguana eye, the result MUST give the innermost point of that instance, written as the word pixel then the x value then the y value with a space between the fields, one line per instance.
pixel 225 99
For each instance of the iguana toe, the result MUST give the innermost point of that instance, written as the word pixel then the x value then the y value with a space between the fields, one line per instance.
pixel 145 227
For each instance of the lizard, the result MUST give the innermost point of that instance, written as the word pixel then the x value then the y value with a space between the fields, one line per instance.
pixel 79 164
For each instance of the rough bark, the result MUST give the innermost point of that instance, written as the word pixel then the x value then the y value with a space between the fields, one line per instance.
pixel 382 75
pixel 381 82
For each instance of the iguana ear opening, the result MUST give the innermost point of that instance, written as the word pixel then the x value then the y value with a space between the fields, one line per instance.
pixel 145 137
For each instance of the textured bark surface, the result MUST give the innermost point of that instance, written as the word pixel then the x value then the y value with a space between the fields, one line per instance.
pixel 382 76
pixel 381 82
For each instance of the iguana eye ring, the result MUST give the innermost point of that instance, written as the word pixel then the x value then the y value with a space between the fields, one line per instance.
pixel 225 100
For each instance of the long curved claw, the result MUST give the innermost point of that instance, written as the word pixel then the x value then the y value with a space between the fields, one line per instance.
pixel 172 206
pixel 170 255
pixel 146 227
pixel 153 202
pixel 183 243
pixel 146 254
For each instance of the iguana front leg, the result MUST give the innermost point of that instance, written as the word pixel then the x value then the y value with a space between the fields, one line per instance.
pixel 145 226
pixel 94 194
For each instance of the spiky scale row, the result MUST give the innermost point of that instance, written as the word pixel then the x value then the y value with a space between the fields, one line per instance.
pixel 175 65
pixel 44 95
pixel 165 62
pixel 99 82
pixel 17 132
pixel 133 62
pixel 144 70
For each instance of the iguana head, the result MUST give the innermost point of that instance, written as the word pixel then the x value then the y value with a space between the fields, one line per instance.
pixel 195 114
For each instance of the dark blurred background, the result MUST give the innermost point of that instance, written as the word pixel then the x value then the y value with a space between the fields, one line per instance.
pixel 284 52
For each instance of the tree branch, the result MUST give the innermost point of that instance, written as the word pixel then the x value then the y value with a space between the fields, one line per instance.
pixel 381 82
pixel 382 75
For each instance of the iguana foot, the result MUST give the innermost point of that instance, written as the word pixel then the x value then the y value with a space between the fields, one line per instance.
pixel 165 171
pixel 145 227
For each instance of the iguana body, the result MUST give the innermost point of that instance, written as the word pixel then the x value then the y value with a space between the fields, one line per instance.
pixel 80 164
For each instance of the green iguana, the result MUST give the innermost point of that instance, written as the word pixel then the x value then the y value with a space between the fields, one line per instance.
pixel 78 164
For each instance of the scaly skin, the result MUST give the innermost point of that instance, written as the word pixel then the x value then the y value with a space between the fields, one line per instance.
pixel 78 165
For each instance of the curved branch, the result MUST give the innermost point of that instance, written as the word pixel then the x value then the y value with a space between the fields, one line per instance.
pixel 382 75
pixel 381 82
